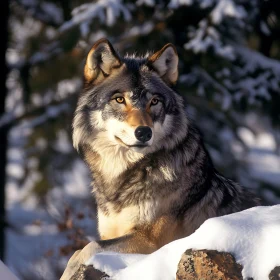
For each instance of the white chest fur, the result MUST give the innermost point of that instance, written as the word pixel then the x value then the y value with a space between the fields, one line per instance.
pixel 118 224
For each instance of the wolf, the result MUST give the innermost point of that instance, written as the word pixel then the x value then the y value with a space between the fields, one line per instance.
pixel 153 179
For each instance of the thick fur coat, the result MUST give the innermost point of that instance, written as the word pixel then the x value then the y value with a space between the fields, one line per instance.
pixel 153 179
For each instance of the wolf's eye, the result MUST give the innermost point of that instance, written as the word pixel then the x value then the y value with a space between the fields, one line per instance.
pixel 120 99
pixel 154 101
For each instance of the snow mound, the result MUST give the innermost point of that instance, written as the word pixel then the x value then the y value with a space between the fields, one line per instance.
pixel 252 236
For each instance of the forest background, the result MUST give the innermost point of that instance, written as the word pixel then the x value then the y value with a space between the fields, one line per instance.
pixel 229 67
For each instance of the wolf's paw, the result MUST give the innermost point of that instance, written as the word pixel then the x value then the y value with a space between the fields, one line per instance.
pixel 79 258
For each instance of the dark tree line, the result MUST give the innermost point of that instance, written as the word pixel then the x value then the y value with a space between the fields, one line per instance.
pixel 3 131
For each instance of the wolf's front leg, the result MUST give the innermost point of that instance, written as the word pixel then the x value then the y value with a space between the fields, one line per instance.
pixel 78 258
pixel 140 242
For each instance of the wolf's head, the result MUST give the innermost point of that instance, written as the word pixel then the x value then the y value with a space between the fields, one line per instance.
pixel 128 104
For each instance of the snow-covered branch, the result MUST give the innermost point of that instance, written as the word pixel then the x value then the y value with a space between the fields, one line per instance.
pixel 106 11
pixel 46 12
pixel 38 114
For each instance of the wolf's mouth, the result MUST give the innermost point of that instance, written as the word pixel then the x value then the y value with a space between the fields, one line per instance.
pixel 130 146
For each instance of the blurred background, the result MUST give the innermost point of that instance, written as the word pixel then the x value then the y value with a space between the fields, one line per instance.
pixel 229 54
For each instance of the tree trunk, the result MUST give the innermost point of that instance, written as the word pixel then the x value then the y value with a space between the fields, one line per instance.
pixel 3 131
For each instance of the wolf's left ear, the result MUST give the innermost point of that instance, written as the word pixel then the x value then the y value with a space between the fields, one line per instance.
pixel 165 63
pixel 102 59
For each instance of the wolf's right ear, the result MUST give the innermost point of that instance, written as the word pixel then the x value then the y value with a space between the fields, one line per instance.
pixel 102 59
pixel 165 63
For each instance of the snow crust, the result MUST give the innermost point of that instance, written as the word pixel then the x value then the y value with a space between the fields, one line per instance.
pixel 252 236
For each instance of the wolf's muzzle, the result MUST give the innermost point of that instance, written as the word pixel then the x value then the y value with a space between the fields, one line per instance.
pixel 143 133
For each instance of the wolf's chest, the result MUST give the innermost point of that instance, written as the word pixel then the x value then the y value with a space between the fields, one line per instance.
pixel 116 224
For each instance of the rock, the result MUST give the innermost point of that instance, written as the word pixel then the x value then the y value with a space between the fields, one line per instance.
pixel 208 265
pixel 194 265
pixel 275 273
pixel 88 273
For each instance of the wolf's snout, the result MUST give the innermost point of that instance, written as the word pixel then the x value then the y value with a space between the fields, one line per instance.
pixel 143 133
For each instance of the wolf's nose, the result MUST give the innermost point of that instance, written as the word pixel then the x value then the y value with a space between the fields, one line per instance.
pixel 143 133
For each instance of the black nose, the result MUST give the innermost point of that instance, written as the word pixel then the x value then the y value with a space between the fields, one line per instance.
pixel 143 133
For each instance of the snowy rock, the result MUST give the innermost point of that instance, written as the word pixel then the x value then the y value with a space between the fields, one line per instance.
pixel 88 273
pixel 208 264
pixel 251 236
pixel 194 264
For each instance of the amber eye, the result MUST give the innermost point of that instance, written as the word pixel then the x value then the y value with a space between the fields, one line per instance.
pixel 120 99
pixel 154 101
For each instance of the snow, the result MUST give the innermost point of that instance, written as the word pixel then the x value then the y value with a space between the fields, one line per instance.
pixel 252 236
pixel 264 28
pixel 257 60
pixel 142 29
pixel 46 12
pixel 227 8
pixel 204 37
pixel 28 241
pixel 5 273
pixel 175 4
pixel 23 29
pixel 67 87
pixel 85 13
pixel 262 158
pixel 51 10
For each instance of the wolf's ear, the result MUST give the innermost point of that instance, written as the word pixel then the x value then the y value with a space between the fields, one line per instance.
pixel 165 63
pixel 102 59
